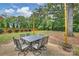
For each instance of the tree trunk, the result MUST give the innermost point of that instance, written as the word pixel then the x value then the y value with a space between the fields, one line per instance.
pixel 70 19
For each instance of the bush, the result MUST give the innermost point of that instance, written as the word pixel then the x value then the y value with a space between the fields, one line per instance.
pixel 9 31
pixel 25 30
pixel 21 30
pixel 1 31
pixel 29 30
pixel 17 30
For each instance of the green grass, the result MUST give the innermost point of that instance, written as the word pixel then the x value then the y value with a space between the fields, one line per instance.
pixel 76 51
pixel 8 36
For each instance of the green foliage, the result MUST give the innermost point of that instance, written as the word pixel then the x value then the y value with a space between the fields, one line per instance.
pixel 48 17
pixel 76 51
pixel 1 31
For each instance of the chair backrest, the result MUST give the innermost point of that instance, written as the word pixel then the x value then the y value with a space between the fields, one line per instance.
pixel 44 41
pixel 22 35
pixel 17 43
pixel 37 44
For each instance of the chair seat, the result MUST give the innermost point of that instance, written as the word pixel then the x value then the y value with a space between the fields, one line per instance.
pixel 35 46
pixel 24 46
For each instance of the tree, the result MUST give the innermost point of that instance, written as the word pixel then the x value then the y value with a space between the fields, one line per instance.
pixel 70 19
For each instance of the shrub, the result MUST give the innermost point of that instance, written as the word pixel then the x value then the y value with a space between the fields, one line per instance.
pixel 1 31
pixel 29 30
pixel 17 30
pixel 76 51
pixel 21 30
pixel 25 30
pixel 9 31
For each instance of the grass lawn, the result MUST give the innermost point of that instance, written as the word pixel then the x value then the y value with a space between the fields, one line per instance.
pixel 4 38
pixel 8 36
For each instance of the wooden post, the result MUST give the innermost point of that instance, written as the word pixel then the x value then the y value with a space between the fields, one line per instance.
pixel 65 34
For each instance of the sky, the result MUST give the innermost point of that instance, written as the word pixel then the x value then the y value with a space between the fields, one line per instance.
pixel 18 9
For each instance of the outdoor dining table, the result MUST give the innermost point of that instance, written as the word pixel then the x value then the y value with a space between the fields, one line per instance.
pixel 32 38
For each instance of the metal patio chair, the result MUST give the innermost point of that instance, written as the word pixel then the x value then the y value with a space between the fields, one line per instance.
pixel 44 43
pixel 21 48
pixel 23 41
pixel 37 44
pixel 45 40
pixel 40 46
pixel 37 47
pixel 22 35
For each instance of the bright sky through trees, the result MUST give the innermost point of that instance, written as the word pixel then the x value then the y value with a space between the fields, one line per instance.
pixel 18 9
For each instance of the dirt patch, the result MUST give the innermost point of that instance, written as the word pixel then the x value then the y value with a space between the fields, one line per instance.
pixel 53 50
pixel 7 49
pixel 56 50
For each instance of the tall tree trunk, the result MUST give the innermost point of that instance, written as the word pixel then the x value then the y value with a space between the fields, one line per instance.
pixel 70 19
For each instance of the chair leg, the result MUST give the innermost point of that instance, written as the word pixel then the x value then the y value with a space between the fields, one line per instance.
pixel 44 50
pixel 25 53
pixel 37 52
pixel 19 53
